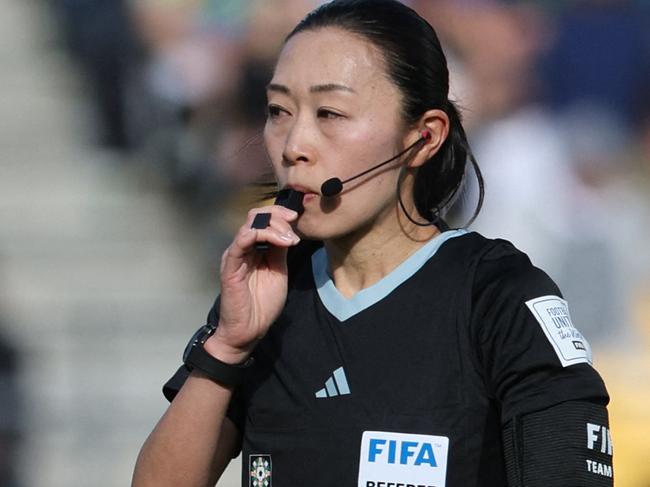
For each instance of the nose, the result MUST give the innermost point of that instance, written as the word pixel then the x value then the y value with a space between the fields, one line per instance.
pixel 299 145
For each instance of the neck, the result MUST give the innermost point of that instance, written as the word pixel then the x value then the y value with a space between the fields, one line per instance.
pixel 358 260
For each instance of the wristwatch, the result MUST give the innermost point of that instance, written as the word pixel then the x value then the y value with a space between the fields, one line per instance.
pixel 196 357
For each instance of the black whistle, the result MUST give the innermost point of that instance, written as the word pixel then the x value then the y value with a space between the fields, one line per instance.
pixel 292 199
pixel 289 198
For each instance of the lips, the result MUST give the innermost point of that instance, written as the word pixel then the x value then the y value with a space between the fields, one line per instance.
pixel 301 188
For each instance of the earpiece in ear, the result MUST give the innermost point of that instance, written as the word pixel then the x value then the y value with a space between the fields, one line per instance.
pixel 425 134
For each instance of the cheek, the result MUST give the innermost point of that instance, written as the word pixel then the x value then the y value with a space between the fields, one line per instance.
pixel 274 144
pixel 365 154
pixel 271 140
pixel 362 145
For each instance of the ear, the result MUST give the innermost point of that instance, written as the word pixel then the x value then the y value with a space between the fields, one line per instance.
pixel 436 123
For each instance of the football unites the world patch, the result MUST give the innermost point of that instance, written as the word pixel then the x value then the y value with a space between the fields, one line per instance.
pixel 260 470
pixel 552 313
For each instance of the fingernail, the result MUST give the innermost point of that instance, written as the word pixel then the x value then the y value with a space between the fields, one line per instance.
pixel 290 237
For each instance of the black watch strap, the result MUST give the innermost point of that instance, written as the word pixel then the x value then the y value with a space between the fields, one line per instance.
pixel 218 371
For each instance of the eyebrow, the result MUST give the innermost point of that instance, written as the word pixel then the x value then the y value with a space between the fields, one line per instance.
pixel 314 89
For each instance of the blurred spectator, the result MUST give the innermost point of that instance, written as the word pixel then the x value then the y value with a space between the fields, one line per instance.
pixel 520 149
pixel 535 193
pixel 209 64
pixel 643 124
pixel 269 23
pixel 600 55
pixel 11 426
pixel 99 35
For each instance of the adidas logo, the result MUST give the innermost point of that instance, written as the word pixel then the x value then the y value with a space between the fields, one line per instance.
pixel 337 385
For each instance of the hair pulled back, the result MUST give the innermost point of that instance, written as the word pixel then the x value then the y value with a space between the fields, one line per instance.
pixel 417 65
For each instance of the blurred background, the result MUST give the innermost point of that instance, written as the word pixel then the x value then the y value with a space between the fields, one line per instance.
pixel 129 134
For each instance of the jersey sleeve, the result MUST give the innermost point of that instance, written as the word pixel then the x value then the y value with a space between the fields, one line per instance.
pixel 236 410
pixel 568 444
pixel 529 352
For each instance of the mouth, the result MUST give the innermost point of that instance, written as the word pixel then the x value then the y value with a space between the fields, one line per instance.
pixel 303 189
pixel 308 195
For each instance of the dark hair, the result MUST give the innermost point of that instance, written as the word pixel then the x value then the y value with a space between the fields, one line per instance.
pixel 418 67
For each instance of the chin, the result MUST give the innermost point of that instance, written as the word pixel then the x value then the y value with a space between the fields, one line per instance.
pixel 318 230
pixel 327 227
pixel 309 233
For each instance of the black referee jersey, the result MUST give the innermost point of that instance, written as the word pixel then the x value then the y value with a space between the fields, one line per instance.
pixel 409 382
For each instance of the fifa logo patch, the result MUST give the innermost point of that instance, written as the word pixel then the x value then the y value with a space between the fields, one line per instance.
pixel 259 470
pixel 389 459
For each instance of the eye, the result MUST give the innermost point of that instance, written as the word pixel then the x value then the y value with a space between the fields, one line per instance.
pixel 275 111
pixel 328 114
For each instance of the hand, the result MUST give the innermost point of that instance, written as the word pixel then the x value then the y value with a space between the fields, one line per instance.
pixel 253 284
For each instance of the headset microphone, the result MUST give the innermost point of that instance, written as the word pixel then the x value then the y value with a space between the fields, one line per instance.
pixel 292 199
pixel 334 186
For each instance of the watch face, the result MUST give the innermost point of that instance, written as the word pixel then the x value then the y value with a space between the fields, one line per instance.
pixel 201 335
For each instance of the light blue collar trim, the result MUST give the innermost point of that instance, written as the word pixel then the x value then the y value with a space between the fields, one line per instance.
pixel 343 308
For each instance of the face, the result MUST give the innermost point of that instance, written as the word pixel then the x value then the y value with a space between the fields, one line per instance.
pixel 333 112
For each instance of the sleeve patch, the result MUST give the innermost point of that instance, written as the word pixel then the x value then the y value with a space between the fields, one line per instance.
pixel 552 313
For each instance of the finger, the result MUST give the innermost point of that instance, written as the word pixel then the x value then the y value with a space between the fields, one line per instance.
pixel 279 221
pixel 263 221
pixel 244 242
pixel 283 237
pixel 282 225
pixel 234 256
pixel 238 257
pixel 278 232
pixel 278 213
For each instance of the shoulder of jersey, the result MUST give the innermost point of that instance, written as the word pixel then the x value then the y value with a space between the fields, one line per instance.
pixel 469 247
pixel 474 246
pixel 488 257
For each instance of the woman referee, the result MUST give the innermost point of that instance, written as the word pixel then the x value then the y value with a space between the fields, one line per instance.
pixel 370 344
